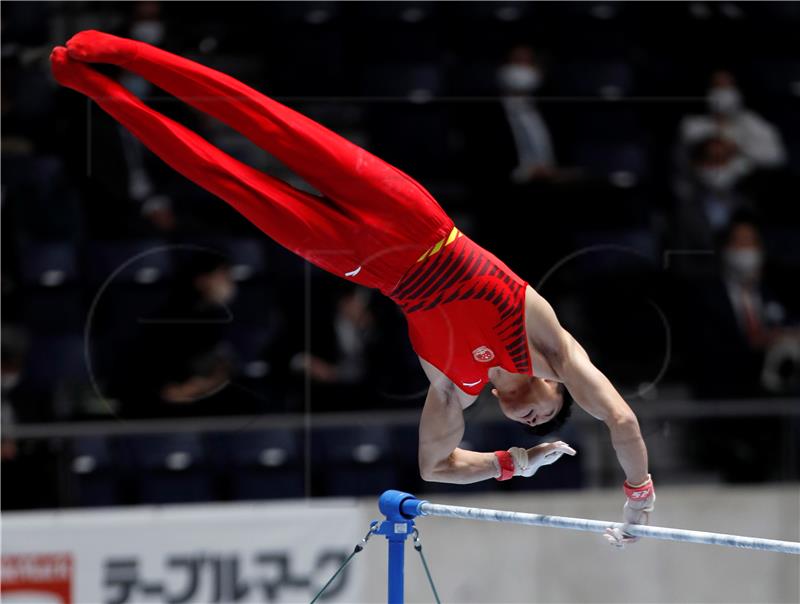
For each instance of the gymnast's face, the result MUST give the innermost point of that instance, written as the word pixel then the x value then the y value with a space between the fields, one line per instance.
pixel 529 400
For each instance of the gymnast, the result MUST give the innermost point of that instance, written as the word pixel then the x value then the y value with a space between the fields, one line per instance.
pixel 471 319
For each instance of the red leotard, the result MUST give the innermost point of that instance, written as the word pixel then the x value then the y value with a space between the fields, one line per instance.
pixel 466 312
pixel 465 308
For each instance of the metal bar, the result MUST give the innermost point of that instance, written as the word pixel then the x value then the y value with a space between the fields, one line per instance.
pixel 595 526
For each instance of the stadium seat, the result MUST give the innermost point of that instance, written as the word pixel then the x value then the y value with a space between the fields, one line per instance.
pixel 129 281
pixel 353 461
pixel 314 12
pixel 504 11
pixel 92 472
pixel 168 468
pixel 624 163
pixel 141 262
pixel 49 264
pixel 53 300
pixel 603 121
pixel 53 358
pixel 412 11
pixel 603 80
pixel 418 82
pixel 261 464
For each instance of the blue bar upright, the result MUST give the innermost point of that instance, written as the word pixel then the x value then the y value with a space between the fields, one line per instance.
pixel 399 509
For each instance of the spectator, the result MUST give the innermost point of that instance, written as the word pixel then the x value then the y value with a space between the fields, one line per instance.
pixel 756 142
pixel 509 141
pixel 339 372
pixel 737 318
pixel 181 363
pixel 709 198
pixel 156 207
pixel 518 78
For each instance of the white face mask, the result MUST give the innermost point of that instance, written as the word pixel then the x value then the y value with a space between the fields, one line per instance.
pixel 519 78
pixel 719 179
pixel 151 32
pixel 725 101
pixel 744 264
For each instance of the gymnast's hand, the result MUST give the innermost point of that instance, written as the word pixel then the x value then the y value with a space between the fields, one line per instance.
pixel 527 461
pixel 641 500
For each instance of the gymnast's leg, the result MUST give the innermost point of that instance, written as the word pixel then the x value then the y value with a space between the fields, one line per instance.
pixel 299 221
pixel 357 180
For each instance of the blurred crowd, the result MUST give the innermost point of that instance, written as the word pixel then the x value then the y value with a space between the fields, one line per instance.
pixel 638 163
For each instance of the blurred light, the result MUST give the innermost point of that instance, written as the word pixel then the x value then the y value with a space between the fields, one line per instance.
pixel 699 10
pixel 610 91
pixel 317 16
pixel 603 11
pixel 795 88
pixel 147 275
pixel 84 464
pixel 256 369
pixel 420 96
pixel 623 179
pixel 507 13
pixel 52 277
pixel 273 457
pixel 731 11
pixel 413 15
pixel 208 45
pixel 178 460
pixel 367 453
pixel 241 272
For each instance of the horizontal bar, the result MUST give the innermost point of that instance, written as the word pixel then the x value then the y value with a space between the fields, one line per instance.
pixel 425 508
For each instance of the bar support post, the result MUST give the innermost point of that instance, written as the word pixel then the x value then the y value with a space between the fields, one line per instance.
pixel 399 510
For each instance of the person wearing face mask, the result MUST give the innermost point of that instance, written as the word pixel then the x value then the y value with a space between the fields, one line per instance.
pixel 706 201
pixel 737 318
pixel 518 79
pixel 757 141
pixel 508 142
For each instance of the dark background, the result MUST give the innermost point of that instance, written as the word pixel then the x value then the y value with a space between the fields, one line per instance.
pixel 97 235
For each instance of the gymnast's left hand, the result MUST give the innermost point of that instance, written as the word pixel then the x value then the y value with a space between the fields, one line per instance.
pixel 641 500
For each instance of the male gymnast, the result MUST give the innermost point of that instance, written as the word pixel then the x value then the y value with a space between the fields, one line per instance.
pixel 471 320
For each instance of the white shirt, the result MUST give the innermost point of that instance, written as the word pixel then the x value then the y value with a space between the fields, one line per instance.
pixel 755 137
pixel 531 136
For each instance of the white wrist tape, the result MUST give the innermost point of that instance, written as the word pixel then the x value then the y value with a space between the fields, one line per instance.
pixel 520 457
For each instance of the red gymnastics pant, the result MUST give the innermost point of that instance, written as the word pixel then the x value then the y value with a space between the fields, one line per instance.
pixel 371 222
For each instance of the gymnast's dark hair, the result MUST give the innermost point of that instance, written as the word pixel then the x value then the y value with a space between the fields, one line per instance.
pixel 560 418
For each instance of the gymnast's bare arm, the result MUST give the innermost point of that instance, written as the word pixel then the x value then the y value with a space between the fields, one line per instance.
pixel 441 429
pixel 588 386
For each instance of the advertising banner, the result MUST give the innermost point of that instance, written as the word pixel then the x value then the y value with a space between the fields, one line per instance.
pixel 182 554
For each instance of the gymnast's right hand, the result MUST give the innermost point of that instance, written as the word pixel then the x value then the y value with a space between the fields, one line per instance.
pixel 528 461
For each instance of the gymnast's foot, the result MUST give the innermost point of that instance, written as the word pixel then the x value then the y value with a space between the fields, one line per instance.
pixel 93 46
pixel 76 75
